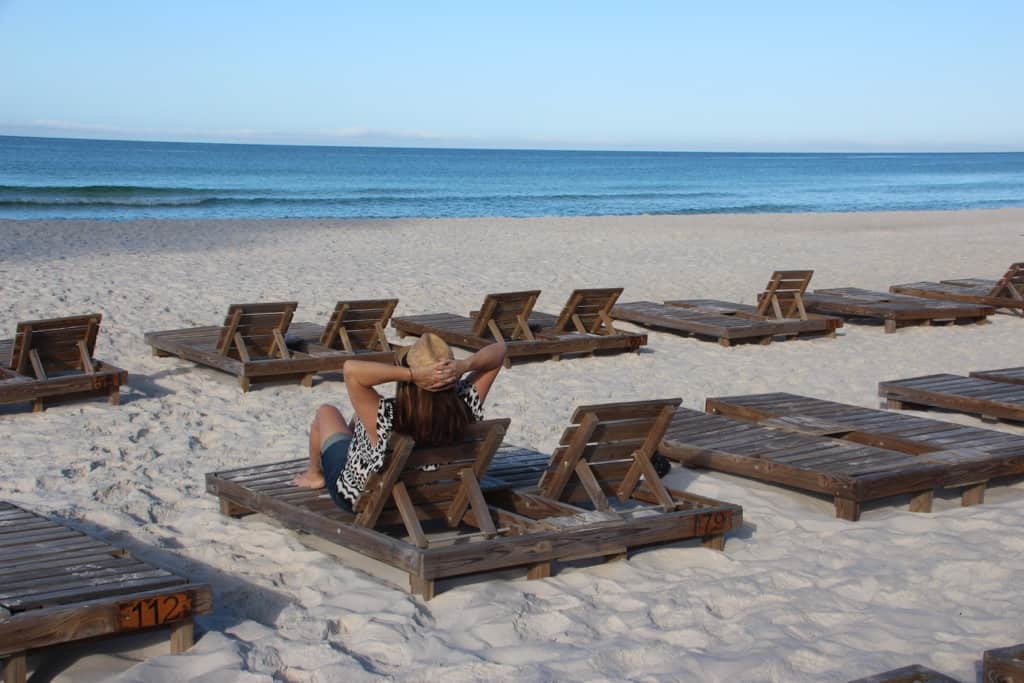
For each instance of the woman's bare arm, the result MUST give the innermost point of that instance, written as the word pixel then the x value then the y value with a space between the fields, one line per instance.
pixel 483 366
pixel 361 376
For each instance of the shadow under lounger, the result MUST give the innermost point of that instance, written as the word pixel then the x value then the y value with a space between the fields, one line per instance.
pixel 59 585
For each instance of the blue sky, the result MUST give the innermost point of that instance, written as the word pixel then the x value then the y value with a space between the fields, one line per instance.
pixel 580 75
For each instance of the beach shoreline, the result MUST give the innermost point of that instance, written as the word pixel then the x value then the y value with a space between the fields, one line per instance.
pixel 797 595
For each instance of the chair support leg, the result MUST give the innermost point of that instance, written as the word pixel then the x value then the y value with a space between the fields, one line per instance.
pixel 182 636
pixel 15 668
pixel 422 587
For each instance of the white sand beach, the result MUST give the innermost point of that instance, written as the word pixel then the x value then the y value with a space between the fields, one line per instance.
pixel 797 595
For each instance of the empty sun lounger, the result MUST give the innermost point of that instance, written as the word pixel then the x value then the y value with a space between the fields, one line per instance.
pixel 1005 293
pixel 909 674
pixel 462 516
pixel 990 400
pixel 780 313
pixel 58 585
pixel 894 310
pixel 1010 375
pixel 975 455
pixel 53 360
pixel 259 342
pixel 509 317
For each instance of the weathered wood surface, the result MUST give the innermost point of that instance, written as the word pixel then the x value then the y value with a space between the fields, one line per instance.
pixel 720 320
pixel 59 585
pixel 850 472
pixel 306 355
pixel 1005 293
pixel 53 359
pixel 587 313
pixel 970 395
pixel 972 454
pixel 527 334
pixel 1010 375
pixel 908 674
pixel 1003 665
pixel 895 310
pixel 358 325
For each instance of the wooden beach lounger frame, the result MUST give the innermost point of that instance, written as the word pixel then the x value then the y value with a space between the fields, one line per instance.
pixel 489 524
pixel 583 327
pixel 974 456
pixel 894 310
pixel 1003 665
pixel 53 360
pixel 259 342
pixel 58 585
pixel 989 400
pixel 909 674
pixel 1006 293
pixel 780 312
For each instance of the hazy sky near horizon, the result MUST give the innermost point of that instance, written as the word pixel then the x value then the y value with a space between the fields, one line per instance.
pixel 802 76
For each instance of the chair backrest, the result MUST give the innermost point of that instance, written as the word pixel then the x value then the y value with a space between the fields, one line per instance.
pixel 259 327
pixel 589 311
pixel 506 315
pixel 359 325
pixel 433 483
pixel 606 449
pixel 783 295
pixel 55 345
pixel 1011 285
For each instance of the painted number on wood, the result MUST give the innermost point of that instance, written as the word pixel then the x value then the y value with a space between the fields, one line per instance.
pixel 711 523
pixel 154 611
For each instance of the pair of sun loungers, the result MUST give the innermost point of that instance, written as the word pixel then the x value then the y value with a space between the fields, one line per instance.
pixel 584 325
pixel 786 310
pixel 259 342
pixel 481 506
pixel 52 359
pixel 1001 665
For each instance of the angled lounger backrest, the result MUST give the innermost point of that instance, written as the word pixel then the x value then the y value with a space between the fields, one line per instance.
pixel 1011 285
pixel 43 347
pixel 405 490
pixel 505 316
pixel 783 295
pixel 589 311
pixel 359 325
pixel 608 448
pixel 256 331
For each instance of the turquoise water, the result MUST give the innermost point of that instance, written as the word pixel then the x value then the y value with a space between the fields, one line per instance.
pixel 60 178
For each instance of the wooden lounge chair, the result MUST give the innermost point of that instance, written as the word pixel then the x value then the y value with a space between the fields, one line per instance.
pixel 53 359
pixel 909 674
pixel 458 518
pixel 990 400
pixel 974 455
pixel 509 317
pixel 894 310
pixel 779 312
pixel 259 342
pixel 1003 665
pixel 1005 293
pixel 586 318
pixel 1009 375
pixel 58 585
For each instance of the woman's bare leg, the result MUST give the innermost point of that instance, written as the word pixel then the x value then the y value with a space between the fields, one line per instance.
pixel 327 422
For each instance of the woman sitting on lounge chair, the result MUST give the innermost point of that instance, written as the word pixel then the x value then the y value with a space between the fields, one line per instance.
pixel 434 401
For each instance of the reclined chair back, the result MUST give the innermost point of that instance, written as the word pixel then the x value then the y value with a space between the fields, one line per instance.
pixel 54 346
pixel 433 483
pixel 606 450
pixel 1011 285
pixel 505 316
pixel 359 325
pixel 589 311
pixel 783 296
pixel 256 331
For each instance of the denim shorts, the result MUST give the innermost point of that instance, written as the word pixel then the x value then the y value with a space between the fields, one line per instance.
pixel 333 456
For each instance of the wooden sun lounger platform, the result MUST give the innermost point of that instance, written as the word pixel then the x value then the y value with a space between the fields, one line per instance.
pixel 1005 293
pixel 895 310
pixel 583 327
pixel 58 585
pixel 909 674
pixel 1003 665
pixel 259 342
pixel 465 518
pixel 1010 375
pixel 974 455
pixel 989 400
pixel 51 360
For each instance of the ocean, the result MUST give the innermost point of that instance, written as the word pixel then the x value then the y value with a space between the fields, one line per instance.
pixel 47 178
